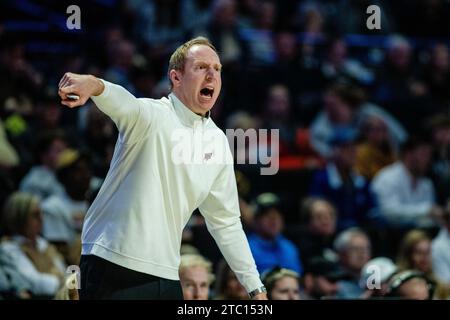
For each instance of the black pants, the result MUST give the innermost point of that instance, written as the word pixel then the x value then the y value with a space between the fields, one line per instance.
pixel 101 279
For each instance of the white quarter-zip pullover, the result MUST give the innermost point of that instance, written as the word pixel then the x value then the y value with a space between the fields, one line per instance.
pixel 147 198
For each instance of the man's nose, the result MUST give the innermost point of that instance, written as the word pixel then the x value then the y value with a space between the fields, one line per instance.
pixel 210 74
pixel 196 293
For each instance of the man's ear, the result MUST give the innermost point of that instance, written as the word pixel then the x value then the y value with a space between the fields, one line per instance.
pixel 174 76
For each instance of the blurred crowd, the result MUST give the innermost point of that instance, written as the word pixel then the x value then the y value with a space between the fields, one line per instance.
pixel 360 206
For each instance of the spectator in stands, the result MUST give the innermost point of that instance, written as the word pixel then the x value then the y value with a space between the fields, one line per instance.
pixel 227 285
pixel 354 249
pixel 259 35
pixel 37 261
pixel 415 254
pixel 340 107
pixel 439 126
pixel 376 149
pixel 346 105
pixel 13 285
pixel 195 277
pixel 277 115
pixel 440 250
pixel 100 137
pixel 410 285
pixel 321 278
pixel 41 179
pixel 120 57
pixel 223 31
pixel 338 64
pixel 397 88
pixel 160 24
pixel 64 213
pixel 375 277
pixel 436 77
pixel 282 284
pixel 314 236
pixel 340 184
pixel 405 196
pixel 269 247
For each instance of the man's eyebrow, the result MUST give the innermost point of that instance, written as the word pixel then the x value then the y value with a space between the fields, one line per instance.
pixel 204 63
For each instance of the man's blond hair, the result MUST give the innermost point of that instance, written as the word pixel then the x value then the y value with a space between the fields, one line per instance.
pixel 178 58
pixel 196 260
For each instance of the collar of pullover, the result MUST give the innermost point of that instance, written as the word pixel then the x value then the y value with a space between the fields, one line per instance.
pixel 186 115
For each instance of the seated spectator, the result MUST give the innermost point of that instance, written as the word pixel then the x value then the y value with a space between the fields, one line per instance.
pixel 375 277
pixel 195 277
pixel 341 103
pixel 13 284
pixel 41 179
pixel 439 127
pixel 269 247
pixel 282 284
pixel 64 213
pixel 394 88
pixel 346 106
pixel 340 184
pixel 415 254
pixel 376 149
pixel 37 261
pixel 277 115
pixel 320 278
pixel 337 63
pixel 436 75
pixel 405 196
pixel 440 250
pixel 314 236
pixel 410 285
pixel 228 286
pixel 354 250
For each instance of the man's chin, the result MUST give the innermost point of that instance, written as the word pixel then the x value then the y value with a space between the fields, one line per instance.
pixel 203 108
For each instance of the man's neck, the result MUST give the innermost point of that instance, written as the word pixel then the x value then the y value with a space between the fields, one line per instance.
pixel 183 101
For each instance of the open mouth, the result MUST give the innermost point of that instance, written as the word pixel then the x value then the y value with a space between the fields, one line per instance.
pixel 207 92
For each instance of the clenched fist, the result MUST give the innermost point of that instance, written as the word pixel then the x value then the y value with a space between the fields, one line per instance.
pixel 82 85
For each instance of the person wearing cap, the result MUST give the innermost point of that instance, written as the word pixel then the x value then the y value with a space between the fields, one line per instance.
pixel 282 284
pixel 269 247
pixel 163 168
pixel 410 285
pixel 320 279
pixel 340 184
pixel 375 277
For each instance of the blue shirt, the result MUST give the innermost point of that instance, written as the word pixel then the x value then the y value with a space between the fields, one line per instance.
pixel 278 252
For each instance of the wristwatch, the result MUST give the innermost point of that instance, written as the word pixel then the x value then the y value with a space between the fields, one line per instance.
pixel 257 291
